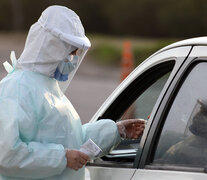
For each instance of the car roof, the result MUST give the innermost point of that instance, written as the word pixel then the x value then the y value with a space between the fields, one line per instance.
pixel 187 42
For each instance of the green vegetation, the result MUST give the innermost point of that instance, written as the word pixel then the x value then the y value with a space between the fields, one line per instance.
pixel 108 50
pixel 106 53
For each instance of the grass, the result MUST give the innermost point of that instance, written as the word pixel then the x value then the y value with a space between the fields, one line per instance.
pixel 108 50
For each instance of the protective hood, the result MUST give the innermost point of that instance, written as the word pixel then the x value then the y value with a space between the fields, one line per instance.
pixel 57 33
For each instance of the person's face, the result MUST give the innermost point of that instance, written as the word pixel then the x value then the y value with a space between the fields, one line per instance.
pixel 74 52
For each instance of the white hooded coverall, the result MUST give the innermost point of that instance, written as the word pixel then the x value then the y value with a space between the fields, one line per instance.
pixel 37 121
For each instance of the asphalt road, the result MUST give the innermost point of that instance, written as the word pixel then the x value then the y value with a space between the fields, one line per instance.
pixel 90 87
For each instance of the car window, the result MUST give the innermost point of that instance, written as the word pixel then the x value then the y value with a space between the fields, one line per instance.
pixel 143 105
pixel 140 109
pixel 183 140
pixel 138 101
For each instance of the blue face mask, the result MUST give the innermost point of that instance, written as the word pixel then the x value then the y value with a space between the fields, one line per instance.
pixel 65 68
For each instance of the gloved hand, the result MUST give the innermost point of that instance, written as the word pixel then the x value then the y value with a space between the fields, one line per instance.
pixel 131 128
pixel 76 159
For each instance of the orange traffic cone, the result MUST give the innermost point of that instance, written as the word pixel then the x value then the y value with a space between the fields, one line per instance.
pixel 127 62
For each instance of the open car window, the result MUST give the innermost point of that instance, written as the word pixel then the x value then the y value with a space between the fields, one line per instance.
pixel 136 101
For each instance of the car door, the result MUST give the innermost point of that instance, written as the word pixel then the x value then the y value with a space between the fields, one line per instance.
pixel 139 96
pixel 176 147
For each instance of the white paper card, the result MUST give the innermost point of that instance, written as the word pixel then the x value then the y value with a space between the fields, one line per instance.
pixel 90 148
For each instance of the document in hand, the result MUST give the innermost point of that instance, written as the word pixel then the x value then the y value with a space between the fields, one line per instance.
pixel 90 148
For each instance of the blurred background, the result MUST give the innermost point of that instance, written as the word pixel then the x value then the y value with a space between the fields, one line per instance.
pixel 147 24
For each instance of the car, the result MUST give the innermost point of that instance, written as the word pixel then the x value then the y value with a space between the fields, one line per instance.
pixel 169 90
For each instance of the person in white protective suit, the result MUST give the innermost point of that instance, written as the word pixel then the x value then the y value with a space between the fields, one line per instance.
pixel 40 131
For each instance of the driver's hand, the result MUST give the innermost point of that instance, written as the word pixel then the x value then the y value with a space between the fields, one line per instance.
pixel 131 128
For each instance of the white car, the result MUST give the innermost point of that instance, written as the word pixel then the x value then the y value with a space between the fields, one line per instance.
pixel 169 90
